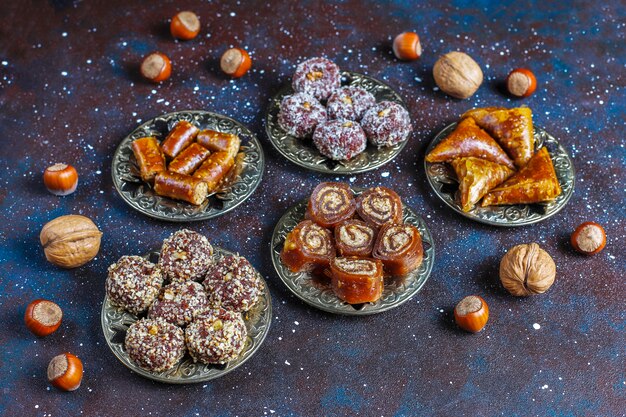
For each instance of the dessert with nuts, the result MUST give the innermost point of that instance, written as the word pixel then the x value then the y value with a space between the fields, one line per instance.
pixel 155 344
pixel 133 283
pixel 349 103
pixel 386 124
pixel 179 303
pixel 185 255
pixel 492 152
pixel 370 241
pixel 300 114
pixel 218 336
pixel 233 284
pixel 318 77
pixel 339 140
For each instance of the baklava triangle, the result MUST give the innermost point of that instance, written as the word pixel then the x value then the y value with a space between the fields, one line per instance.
pixel 469 140
pixel 512 128
pixel 476 177
pixel 534 183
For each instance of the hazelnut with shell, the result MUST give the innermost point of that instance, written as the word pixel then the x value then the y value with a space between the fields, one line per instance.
pixel 457 74
pixel 70 241
pixel 527 270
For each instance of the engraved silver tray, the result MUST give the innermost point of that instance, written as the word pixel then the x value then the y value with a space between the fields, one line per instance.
pixel 442 179
pixel 396 292
pixel 115 323
pixel 241 182
pixel 303 152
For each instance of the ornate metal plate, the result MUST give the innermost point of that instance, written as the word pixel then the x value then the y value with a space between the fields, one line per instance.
pixel 115 323
pixel 235 189
pixel 397 291
pixel 303 152
pixel 443 181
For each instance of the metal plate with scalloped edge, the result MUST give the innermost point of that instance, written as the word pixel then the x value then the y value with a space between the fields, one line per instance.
pixel 303 152
pixel 442 179
pixel 115 323
pixel 396 292
pixel 239 184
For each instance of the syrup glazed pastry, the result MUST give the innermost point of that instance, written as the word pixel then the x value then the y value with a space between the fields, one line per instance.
pixel 469 140
pixel 386 124
pixel 155 344
pixel 133 283
pixel 307 247
pixel 536 182
pixel 216 141
pixel 339 140
pixel 185 255
pixel 149 157
pixel 216 336
pixel 318 77
pixel 357 280
pixel 330 204
pixel 355 238
pixel 379 205
pixel 181 136
pixel 349 103
pixel 300 114
pixel 476 177
pixel 512 128
pixel 179 303
pixel 232 284
pixel 399 247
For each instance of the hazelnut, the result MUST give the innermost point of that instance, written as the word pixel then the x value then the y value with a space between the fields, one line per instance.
pixel 457 74
pixel 60 179
pixel 43 317
pixel 526 270
pixel 70 241
pixel 589 238
pixel 235 62
pixel 521 82
pixel 471 313
pixel 185 25
pixel 156 67
pixel 407 46
pixel 65 372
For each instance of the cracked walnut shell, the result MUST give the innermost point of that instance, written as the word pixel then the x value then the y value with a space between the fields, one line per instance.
pixel 527 270
pixel 70 241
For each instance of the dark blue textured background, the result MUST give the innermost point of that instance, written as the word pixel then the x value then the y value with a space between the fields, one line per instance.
pixel 69 91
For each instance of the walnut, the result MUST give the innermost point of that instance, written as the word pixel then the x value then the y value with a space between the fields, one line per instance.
pixel 457 74
pixel 527 270
pixel 70 241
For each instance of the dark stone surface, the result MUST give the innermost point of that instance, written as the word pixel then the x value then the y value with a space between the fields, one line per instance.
pixel 69 91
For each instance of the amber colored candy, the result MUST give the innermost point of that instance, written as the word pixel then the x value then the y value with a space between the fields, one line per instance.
pixel 330 204
pixel 219 141
pixel 399 246
pixel 512 128
pixel 149 157
pixel 476 177
pixel 214 169
pixel 308 246
pixel 534 183
pixel 179 138
pixel 357 280
pixel 469 140
pixel 355 238
pixel 379 205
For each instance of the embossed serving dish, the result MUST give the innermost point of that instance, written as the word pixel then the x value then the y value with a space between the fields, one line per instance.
pixel 115 323
pixel 396 292
pixel 442 179
pixel 303 152
pixel 235 189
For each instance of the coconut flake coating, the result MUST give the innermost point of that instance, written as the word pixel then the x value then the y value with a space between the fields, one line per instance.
pixel 155 344
pixel 185 255
pixel 349 103
pixel 386 124
pixel 318 77
pixel 133 283
pixel 179 303
pixel 339 140
pixel 232 284
pixel 216 336
pixel 300 113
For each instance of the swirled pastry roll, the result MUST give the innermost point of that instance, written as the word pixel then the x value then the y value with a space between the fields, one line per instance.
pixel 379 205
pixel 330 204
pixel 399 247
pixel 307 247
pixel 357 280
pixel 355 238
